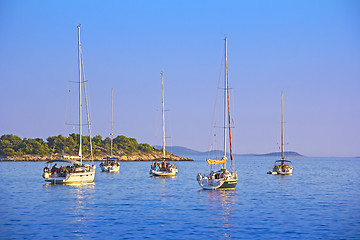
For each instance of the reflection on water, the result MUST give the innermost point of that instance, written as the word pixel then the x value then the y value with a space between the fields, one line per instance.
pixel 162 180
pixel 159 177
pixel 222 204
pixel 83 195
pixel 133 205
pixel 79 185
pixel 74 200
pixel 284 179
pixel 162 186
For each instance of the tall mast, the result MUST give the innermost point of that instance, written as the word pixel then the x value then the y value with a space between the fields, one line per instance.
pixel 225 101
pixel 163 114
pixel 80 117
pixel 282 126
pixel 112 133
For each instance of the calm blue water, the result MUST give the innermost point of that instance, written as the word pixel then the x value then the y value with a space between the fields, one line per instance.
pixel 321 202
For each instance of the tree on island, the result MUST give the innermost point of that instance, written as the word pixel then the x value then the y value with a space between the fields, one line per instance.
pixel 11 145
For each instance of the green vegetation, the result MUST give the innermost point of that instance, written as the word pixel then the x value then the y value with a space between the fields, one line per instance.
pixel 11 145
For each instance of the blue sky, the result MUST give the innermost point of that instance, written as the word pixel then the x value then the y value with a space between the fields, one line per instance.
pixel 308 49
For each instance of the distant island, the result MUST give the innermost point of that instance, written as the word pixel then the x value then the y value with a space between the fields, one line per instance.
pixel 183 151
pixel 14 148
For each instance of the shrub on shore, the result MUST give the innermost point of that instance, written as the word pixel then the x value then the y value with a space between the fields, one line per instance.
pixel 11 145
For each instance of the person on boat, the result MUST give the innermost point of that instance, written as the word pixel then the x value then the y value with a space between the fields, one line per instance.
pixel 54 169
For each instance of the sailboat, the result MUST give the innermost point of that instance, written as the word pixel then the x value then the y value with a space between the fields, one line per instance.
pixel 222 178
pixel 163 168
pixel 75 171
pixel 282 166
pixel 110 164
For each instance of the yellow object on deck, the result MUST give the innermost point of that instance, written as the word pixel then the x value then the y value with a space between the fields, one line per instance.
pixel 215 162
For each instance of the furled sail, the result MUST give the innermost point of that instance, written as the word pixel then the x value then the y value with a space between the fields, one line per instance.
pixel 216 162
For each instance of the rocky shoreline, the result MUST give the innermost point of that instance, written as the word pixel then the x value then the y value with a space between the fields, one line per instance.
pixel 123 158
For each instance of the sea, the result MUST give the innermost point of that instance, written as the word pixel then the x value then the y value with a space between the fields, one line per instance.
pixel 321 200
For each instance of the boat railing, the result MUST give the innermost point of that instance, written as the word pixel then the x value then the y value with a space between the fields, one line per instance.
pixel 71 157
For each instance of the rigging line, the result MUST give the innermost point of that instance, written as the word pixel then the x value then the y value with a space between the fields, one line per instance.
pixel 163 114
pixel 68 109
pixel 231 154
pixel 75 124
pixel 214 145
pixel 156 129
pixel 83 81
pixel 87 107
pixel 233 106
pixel 169 128
pixel 214 112
pixel 111 131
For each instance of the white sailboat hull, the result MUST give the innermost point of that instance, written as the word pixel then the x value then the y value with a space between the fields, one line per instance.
pixel 115 168
pixel 282 167
pixel 75 177
pixel 214 182
pixel 164 173
pixel 287 171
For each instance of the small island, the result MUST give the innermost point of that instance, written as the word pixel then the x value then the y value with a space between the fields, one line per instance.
pixel 14 148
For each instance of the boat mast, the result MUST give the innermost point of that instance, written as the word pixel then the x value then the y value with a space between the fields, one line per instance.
pixel 163 114
pixel 225 101
pixel 80 117
pixel 282 126
pixel 112 133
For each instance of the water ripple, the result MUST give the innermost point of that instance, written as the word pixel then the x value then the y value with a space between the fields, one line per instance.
pixel 132 205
